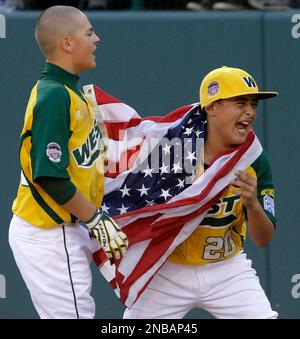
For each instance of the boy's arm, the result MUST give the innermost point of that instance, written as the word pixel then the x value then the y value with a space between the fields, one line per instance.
pixel 260 227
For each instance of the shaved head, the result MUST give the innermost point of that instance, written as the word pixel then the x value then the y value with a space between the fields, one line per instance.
pixel 53 24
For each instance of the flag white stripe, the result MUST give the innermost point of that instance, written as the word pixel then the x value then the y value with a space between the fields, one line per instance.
pixel 114 111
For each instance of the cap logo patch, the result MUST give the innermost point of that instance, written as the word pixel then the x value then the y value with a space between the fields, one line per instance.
pixel 213 88
pixel 54 152
pixel 249 81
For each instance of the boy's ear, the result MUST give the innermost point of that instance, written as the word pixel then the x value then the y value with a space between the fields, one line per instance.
pixel 66 44
pixel 210 109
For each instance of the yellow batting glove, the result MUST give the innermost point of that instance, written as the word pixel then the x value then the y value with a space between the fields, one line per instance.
pixel 113 241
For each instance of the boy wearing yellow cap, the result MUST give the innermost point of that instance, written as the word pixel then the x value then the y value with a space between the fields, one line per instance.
pixel 209 270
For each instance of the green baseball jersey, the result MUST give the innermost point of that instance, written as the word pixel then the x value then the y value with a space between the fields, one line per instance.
pixel 60 139
pixel 222 232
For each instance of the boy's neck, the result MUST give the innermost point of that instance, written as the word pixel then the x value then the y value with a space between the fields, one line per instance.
pixel 64 64
pixel 212 149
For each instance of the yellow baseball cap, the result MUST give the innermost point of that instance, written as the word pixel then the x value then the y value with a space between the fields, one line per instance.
pixel 227 82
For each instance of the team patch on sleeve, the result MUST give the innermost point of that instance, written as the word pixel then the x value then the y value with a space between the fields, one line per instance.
pixel 54 152
pixel 268 191
pixel 269 204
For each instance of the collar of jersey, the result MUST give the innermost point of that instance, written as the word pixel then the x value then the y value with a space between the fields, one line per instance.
pixel 59 74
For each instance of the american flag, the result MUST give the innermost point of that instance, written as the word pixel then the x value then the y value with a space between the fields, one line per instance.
pixel 153 186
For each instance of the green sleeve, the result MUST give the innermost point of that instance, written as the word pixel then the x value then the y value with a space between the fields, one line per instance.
pixel 60 190
pixel 51 132
pixel 265 188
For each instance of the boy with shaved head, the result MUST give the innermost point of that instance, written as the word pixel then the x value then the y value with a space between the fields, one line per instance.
pixel 57 224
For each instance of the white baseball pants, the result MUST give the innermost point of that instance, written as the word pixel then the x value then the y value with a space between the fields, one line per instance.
pixel 55 265
pixel 227 289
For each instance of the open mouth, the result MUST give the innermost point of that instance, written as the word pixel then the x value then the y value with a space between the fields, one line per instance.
pixel 243 126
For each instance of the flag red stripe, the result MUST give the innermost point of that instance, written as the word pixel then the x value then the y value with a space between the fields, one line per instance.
pixel 172 116
pixel 154 251
pixel 141 229
pixel 99 257
pixel 116 130
pixel 103 97
pixel 113 283
pixel 113 169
